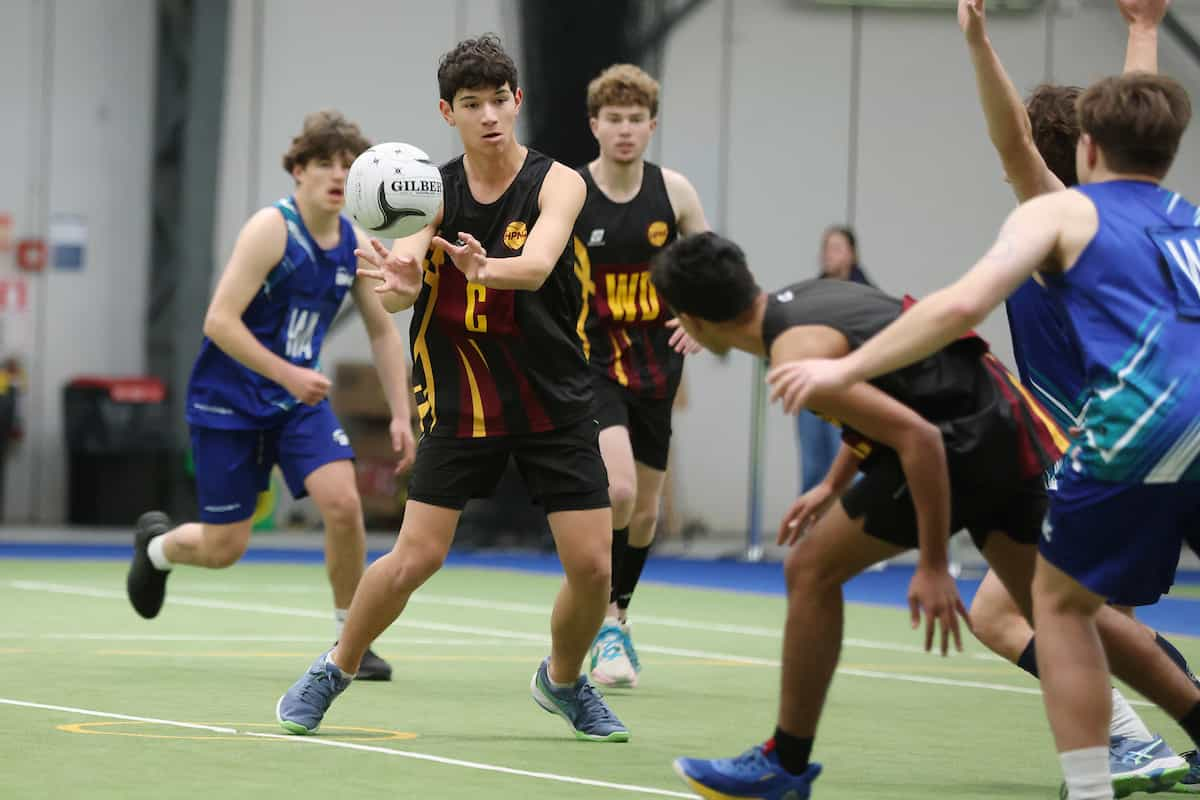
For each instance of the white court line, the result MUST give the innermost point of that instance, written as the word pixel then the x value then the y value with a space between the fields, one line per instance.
pixel 452 762
pixel 183 637
pixel 698 654
pixel 108 715
pixel 530 609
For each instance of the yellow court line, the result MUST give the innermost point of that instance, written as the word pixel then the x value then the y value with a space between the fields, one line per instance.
pixel 89 728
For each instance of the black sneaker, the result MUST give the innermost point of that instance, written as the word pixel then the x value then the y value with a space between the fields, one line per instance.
pixel 146 584
pixel 373 668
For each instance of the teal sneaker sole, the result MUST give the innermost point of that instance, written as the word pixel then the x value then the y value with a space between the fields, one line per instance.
pixel 292 727
pixel 548 705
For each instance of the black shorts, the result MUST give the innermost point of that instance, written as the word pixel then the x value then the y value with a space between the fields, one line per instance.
pixel 562 468
pixel 1015 507
pixel 648 420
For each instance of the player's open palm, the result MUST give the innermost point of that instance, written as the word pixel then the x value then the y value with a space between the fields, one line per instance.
pixel 469 256
pixel 395 273
pixel 804 513
pixel 306 385
pixel 971 15
pixel 1144 13
pixel 934 594
pixel 403 444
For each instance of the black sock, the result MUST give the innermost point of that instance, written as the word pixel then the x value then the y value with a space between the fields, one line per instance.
pixel 1028 658
pixel 793 751
pixel 1176 656
pixel 1191 724
pixel 631 571
pixel 619 546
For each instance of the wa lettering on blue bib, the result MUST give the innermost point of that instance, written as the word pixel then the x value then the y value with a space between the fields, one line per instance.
pixel 1181 250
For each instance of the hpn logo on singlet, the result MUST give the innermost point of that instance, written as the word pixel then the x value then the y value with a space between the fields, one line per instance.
pixel 515 234
pixel 657 233
pixel 302 326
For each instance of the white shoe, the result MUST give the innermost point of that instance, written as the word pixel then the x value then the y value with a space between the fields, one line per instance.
pixel 611 666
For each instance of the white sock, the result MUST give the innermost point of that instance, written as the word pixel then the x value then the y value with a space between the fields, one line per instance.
pixel 339 620
pixel 350 675
pixel 1086 773
pixel 1125 721
pixel 157 557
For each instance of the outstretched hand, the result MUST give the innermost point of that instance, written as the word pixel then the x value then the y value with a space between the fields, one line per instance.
pixel 470 257
pixel 680 342
pixel 403 443
pixel 396 274
pixel 804 513
pixel 971 17
pixel 934 593
pixel 1143 13
pixel 795 382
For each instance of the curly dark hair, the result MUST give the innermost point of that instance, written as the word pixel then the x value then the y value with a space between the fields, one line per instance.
pixel 326 134
pixel 705 276
pixel 475 64
pixel 1055 123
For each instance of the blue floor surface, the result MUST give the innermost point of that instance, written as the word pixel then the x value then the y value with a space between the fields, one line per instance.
pixel 887 587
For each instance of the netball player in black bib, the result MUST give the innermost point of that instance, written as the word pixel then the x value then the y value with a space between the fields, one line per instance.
pixel 633 210
pixel 498 374
pixel 949 443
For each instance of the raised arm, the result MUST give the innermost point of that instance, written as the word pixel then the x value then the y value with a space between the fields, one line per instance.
pixel 559 202
pixel 1007 121
pixel 387 349
pixel 259 248
pixel 1029 239
pixel 1143 18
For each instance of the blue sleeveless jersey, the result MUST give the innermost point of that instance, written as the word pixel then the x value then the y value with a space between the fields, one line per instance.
pixel 289 316
pixel 1042 348
pixel 1133 304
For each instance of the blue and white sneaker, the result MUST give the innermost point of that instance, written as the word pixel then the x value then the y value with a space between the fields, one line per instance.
pixel 1144 766
pixel 1189 783
pixel 303 706
pixel 611 664
pixel 754 775
pixel 580 705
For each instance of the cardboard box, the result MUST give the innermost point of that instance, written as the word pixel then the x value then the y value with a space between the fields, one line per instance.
pixel 358 392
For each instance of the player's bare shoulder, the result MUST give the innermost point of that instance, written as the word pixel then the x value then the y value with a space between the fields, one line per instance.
pixel 689 213
pixel 262 240
pixel 563 189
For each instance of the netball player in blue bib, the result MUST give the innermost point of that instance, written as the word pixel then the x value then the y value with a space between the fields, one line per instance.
pixel 1120 255
pixel 256 397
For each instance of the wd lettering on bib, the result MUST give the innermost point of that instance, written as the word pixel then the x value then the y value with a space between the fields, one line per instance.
pixel 622 321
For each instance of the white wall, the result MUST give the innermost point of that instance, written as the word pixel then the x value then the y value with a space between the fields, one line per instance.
pixel 84 150
pixel 760 110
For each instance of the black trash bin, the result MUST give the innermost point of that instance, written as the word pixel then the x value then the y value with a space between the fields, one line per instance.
pixel 8 419
pixel 118 448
